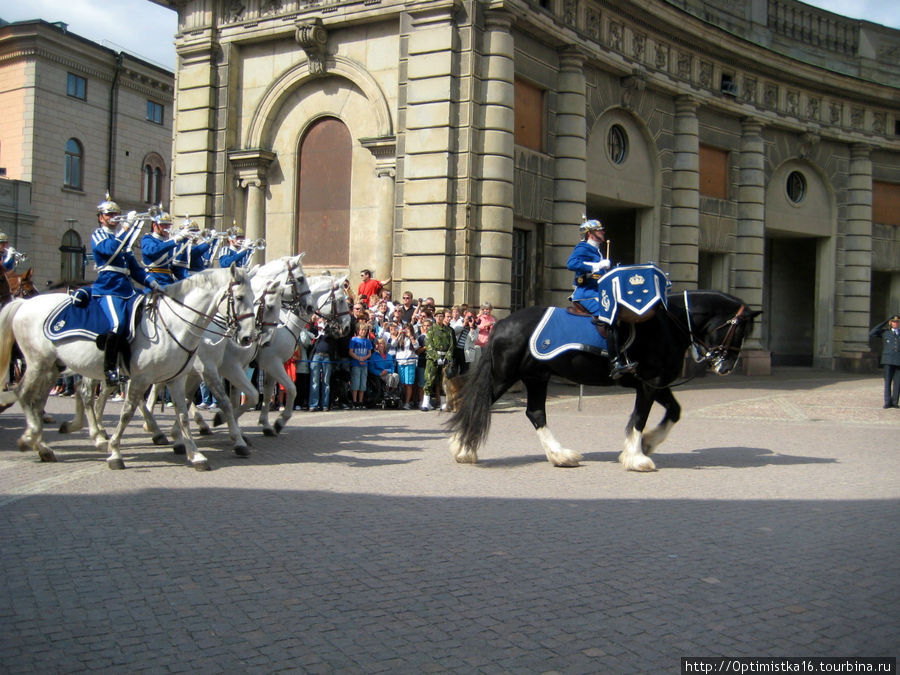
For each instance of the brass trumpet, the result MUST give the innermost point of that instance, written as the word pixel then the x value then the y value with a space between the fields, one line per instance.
pixel 255 245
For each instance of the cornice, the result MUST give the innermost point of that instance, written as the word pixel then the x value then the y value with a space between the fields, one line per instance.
pixel 133 79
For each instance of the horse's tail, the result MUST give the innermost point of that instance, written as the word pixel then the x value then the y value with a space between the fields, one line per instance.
pixel 471 420
pixel 7 340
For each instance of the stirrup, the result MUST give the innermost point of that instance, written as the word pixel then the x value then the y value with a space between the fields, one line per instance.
pixel 618 368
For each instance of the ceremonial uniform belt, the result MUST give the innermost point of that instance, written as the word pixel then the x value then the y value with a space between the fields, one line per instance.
pixel 582 279
pixel 111 268
pixel 160 270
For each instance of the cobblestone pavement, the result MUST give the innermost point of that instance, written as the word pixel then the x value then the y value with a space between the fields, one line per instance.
pixel 353 543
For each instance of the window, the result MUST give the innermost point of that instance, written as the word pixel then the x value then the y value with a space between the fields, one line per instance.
pixel 76 87
pixel 617 144
pixel 152 176
pixel 529 114
pixel 713 164
pixel 520 269
pixel 155 112
pixel 72 257
pixel 796 187
pixel 74 164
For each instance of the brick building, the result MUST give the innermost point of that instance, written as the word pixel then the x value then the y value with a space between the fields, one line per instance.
pixel 78 119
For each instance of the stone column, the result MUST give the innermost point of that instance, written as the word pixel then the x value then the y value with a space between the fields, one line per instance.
pixel 570 186
pixel 429 166
pixel 496 163
pixel 854 282
pixel 684 231
pixel 751 238
pixel 384 150
pixel 194 165
pixel 250 170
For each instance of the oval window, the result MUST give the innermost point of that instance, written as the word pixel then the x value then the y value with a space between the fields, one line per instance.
pixel 617 142
pixel 796 187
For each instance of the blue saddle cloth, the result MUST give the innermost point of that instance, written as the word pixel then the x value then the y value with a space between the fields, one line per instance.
pixel 637 288
pixel 70 321
pixel 559 331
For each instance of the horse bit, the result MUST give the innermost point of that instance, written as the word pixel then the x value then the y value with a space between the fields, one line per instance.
pixel 717 354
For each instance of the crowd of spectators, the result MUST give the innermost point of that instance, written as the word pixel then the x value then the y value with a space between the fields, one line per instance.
pixel 389 353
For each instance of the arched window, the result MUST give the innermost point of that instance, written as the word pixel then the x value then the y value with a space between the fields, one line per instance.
pixel 71 257
pixel 154 172
pixel 74 164
pixel 323 195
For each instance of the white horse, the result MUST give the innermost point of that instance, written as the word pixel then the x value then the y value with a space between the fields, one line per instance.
pixel 216 357
pixel 332 306
pixel 216 363
pixel 166 336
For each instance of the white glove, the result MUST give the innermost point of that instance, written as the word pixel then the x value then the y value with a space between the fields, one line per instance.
pixel 605 264
pixel 596 266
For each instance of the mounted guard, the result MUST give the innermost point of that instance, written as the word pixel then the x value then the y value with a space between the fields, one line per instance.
pixel 192 255
pixel 625 294
pixel 113 292
pixel 158 250
pixel 236 251
pixel 9 257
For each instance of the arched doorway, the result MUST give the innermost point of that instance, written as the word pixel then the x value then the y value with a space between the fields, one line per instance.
pixel 323 194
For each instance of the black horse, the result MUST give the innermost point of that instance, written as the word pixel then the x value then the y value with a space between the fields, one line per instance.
pixel 714 325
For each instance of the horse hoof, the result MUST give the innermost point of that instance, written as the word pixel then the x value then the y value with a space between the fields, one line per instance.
pixel 64 428
pixel 267 431
pixel 205 431
pixel 179 449
pixel 47 456
pixel 160 439
pixel 49 419
pixel 242 451
pixel 115 464
pixel 218 419
pixel 279 425
pixel 201 466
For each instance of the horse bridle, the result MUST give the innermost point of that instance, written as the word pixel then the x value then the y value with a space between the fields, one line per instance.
pixel 718 353
pixel 232 318
pixel 334 315
pixel 297 297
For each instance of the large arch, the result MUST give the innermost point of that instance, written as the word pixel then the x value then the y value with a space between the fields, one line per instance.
pixel 259 131
pixel 801 250
pixel 628 192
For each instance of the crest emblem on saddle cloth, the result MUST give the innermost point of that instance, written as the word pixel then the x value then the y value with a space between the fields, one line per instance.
pixel 637 288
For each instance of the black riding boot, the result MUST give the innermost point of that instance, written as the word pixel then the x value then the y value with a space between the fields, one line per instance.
pixel 111 358
pixel 618 361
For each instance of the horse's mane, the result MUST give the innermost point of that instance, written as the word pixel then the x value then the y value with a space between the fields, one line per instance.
pixel 215 277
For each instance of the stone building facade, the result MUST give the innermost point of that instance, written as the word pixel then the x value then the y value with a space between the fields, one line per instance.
pixel 79 119
pixel 750 146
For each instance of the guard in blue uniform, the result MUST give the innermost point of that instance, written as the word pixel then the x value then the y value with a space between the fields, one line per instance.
pixel 235 252
pixel 7 254
pixel 113 289
pixel 192 255
pixel 158 250
pixel 589 264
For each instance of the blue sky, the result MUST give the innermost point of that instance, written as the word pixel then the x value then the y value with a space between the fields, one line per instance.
pixel 145 29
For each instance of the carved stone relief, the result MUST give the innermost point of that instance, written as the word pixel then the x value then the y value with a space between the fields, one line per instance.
pixel 639 42
pixel 684 66
pixel 706 71
pixel 770 96
pixel 879 122
pixel 615 36
pixel 857 115
pixel 748 91
pixel 662 56
pixel 835 114
pixel 792 102
pixel 592 21
pixel 812 108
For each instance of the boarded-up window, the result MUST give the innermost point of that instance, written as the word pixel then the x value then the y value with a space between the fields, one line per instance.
pixel 529 114
pixel 886 203
pixel 323 209
pixel 713 172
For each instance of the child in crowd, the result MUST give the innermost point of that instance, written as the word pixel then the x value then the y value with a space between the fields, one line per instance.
pixel 360 351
